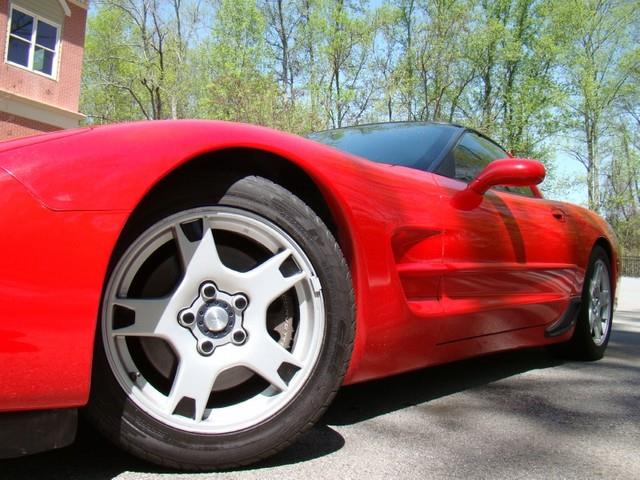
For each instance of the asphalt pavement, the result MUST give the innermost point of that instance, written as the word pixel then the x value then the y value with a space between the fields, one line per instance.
pixel 521 414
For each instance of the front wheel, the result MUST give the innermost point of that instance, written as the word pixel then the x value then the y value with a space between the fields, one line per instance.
pixel 226 330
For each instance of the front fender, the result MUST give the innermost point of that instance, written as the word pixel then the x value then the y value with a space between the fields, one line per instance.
pixel 112 168
pixel 51 270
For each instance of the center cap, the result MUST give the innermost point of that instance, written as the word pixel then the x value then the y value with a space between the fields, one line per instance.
pixel 216 319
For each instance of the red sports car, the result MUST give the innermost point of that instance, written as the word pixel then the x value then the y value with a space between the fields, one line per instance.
pixel 204 288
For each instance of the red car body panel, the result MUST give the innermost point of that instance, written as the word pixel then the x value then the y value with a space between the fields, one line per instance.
pixel 433 283
pixel 51 276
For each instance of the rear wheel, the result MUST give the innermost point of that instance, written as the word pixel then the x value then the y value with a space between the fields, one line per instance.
pixel 226 330
pixel 593 327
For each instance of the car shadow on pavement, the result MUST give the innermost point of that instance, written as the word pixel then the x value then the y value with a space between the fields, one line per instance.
pixel 93 458
pixel 90 457
pixel 361 402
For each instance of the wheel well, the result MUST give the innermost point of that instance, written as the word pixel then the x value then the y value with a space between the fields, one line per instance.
pixel 606 246
pixel 238 163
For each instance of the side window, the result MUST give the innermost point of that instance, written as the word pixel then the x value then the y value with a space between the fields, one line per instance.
pixel 470 156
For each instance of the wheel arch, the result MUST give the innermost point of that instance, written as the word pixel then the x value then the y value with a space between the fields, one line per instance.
pixel 245 161
pixel 606 245
pixel 242 161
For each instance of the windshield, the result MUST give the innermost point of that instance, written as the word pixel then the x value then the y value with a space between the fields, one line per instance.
pixel 406 144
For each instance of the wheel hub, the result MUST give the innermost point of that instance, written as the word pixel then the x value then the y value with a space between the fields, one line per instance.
pixel 215 318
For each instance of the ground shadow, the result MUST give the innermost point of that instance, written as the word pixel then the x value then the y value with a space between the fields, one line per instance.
pixel 93 458
pixel 361 402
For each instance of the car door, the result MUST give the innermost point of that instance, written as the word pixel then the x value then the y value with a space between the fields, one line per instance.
pixel 508 261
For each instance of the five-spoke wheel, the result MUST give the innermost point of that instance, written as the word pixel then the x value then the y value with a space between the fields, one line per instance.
pixel 220 328
pixel 201 323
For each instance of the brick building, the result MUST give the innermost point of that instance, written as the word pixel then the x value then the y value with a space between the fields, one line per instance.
pixel 42 43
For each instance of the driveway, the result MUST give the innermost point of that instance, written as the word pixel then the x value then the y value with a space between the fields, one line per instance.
pixel 521 414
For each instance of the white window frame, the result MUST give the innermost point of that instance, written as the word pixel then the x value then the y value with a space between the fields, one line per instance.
pixel 32 43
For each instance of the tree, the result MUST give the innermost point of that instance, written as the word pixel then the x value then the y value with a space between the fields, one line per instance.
pixel 514 53
pixel 348 44
pixel 137 60
pixel 385 63
pixel 525 72
pixel 596 70
pixel 239 84
pixel 407 79
pixel 233 58
pixel 621 186
pixel 282 18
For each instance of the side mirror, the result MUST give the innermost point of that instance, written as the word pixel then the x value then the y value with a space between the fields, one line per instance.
pixel 509 172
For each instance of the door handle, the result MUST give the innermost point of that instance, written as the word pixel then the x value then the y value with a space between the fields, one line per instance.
pixel 559 215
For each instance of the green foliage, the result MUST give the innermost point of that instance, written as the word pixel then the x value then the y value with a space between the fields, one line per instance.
pixel 539 76
pixel 595 69
pixel 138 63
pixel 109 74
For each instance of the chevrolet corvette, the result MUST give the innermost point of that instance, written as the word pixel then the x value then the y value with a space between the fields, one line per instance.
pixel 200 290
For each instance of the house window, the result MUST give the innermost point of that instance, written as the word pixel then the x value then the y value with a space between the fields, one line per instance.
pixel 33 43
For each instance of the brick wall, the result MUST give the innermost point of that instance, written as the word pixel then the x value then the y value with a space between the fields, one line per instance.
pixel 63 92
pixel 12 126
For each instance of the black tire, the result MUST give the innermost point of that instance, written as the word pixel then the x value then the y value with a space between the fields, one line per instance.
pixel 112 410
pixel 582 345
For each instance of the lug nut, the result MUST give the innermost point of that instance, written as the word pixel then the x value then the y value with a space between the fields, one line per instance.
pixel 240 303
pixel 208 292
pixel 187 318
pixel 206 347
pixel 239 337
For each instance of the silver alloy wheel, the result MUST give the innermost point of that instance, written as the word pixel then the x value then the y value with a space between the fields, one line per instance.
pixel 214 321
pixel 599 303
